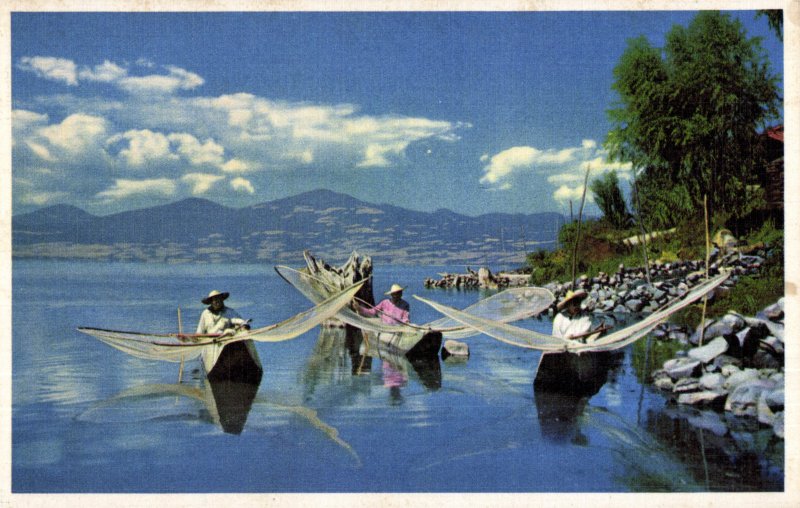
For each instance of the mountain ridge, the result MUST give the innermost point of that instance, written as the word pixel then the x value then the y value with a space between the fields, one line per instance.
pixel 328 223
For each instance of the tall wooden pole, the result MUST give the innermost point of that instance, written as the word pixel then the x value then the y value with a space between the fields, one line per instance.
pixel 180 332
pixel 578 236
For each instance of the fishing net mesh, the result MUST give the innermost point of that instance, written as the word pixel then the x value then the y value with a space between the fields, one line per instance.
pixel 506 306
pixel 174 347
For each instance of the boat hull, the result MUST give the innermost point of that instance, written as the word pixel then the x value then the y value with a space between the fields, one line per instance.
pixel 422 344
pixel 236 361
pixel 576 374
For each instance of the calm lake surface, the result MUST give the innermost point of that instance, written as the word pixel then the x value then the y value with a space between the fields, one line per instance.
pixel 88 418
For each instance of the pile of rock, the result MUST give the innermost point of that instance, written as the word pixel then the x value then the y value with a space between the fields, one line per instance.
pixel 482 279
pixel 628 291
pixel 738 368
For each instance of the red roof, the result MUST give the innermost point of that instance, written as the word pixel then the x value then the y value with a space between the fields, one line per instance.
pixel 775 133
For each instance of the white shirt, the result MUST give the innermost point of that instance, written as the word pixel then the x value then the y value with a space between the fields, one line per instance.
pixel 211 323
pixel 566 327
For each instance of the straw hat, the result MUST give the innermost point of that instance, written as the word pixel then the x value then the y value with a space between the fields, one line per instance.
pixel 214 293
pixel 578 295
pixel 396 288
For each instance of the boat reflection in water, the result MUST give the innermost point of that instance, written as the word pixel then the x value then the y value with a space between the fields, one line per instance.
pixel 225 403
pixel 350 350
pixel 563 385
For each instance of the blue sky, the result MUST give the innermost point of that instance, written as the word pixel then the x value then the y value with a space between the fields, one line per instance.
pixel 475 112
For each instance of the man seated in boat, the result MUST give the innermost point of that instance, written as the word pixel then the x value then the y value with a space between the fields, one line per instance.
pixel 218 319
pixel 572 322
pixel 392 310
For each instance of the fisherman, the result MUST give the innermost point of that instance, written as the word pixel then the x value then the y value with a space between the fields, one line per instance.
pixel 571 322
pixel 392 310
pixel 219 319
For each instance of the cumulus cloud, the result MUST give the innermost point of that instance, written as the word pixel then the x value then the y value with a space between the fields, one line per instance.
pixel 124 188
pixel 201 182
pixel 51 68
pixel 41 198
pixel 61 69
pixel 23 118
pixel 566 193
pixel 564 168
pixel 76 134
pixel 106 72
pixel 240 184
pixel 143 147
pixel 507 162
pixel 176 79
pixel 188 145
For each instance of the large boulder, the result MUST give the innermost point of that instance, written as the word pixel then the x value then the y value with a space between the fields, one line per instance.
pixel 743 400
pixel 707 353
pixel 678 368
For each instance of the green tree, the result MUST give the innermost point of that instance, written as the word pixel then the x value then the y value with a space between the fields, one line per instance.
pixel 608 197
pixel 774 19
pixel 688 116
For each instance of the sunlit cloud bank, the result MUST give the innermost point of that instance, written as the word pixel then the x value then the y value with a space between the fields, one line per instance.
pixel 143 131
pixel 565 169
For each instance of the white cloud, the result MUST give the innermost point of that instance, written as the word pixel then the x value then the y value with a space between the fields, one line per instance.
pixel 41 198
pixel 176 79
pixel 61 69
pixel 76 134
pixel 240 184
pixel 507 162
pixel 144 147
pixel 563 168
pixel 40 151
pixel 236 166
pixel 124 188
pixel 565 194
pixel 51 68
pixel 201 182
pixel 23 118
pixel 198 153
pixel 106 72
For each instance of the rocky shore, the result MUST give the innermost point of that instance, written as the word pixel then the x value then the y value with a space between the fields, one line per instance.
pixel 734 368
pixel 737 369
pixel 483 278
pixel 628 291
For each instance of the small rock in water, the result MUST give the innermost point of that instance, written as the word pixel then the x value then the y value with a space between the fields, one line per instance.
pixel 454 348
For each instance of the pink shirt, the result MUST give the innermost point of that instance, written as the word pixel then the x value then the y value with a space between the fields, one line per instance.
pixel 390 313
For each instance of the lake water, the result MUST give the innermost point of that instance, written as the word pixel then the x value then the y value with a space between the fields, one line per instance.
pixel 88 418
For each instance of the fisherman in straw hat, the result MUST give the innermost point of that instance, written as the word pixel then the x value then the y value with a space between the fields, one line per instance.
pixel 392 310
pixel 571 322
pixel 219 319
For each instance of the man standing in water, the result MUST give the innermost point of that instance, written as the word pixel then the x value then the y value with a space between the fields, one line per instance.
pixel 571 322
pixel 392 310
pixel 219 319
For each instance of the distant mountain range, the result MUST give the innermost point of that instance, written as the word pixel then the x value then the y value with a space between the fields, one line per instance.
pixel 329 224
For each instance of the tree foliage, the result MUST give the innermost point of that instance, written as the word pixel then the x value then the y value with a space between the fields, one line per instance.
pixel 608 197
pixel 688 116
pixel 774 19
